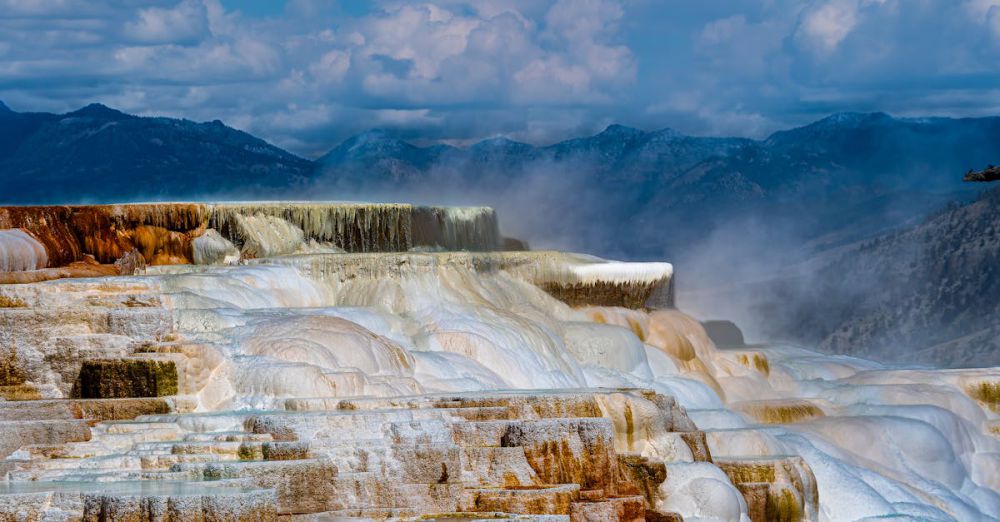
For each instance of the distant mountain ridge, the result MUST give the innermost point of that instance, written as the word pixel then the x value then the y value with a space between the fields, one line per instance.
pixel 99 153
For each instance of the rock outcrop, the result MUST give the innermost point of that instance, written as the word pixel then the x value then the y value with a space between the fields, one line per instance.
pixel 990 173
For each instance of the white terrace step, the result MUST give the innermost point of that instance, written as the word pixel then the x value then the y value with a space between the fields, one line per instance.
pixel 68 450
pixel 93 458
pixel 15 434
pixel 497 467
pixel 348 424
pixel 157 447
pixel 216 447
pixel 63 474
pixel 103 410
pixel 365 491
pixel 408 463
pixel 122 442
pixel 228 436
pixel 303 486
pixel 35 410
pixel 96 293
pixel 543 500
pixel 135 426
pixel 167 462
pixel 96 475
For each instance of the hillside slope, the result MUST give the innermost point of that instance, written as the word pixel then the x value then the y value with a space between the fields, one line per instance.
pixel 927 294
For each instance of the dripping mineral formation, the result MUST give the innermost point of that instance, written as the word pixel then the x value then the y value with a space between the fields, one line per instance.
pixel 267 361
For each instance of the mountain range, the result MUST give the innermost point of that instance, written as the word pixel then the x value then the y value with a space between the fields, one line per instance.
pixel 727 211
pixel 835 180
pixel 100 154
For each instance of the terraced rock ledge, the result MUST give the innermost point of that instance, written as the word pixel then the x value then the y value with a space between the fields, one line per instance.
pixel 307 362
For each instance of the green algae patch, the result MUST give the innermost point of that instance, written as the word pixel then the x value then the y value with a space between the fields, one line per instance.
pixel 11 372
pixel 125 378
pixel 250 452
pixel 632 295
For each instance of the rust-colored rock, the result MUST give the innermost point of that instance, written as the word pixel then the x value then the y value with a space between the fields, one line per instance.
pixel 161 231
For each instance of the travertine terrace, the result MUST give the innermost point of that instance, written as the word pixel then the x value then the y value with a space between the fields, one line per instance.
pixel 307 361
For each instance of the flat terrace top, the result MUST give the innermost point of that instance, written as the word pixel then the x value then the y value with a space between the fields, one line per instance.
pixel 540 266
pixel 149 205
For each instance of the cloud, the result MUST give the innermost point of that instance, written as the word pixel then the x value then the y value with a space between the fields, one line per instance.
pixel 828 24
pixel 184 23
pixel 310 73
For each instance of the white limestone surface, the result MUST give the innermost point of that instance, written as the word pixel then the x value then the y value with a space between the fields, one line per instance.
pixel 892 442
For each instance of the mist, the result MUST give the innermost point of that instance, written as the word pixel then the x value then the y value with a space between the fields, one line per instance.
pixel 782 270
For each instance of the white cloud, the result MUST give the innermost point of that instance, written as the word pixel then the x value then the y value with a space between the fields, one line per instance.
pixel 332 66
pixel 426 35
pixel 723 30
pixel 187 22
pixel 827 25
pixel 989 11
pixel 979 10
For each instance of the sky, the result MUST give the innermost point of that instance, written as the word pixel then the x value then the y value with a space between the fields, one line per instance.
pixel 306 74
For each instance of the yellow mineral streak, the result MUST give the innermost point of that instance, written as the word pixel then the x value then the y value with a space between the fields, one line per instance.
pixel 986 392
pixel 779 411
pixel 755 361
